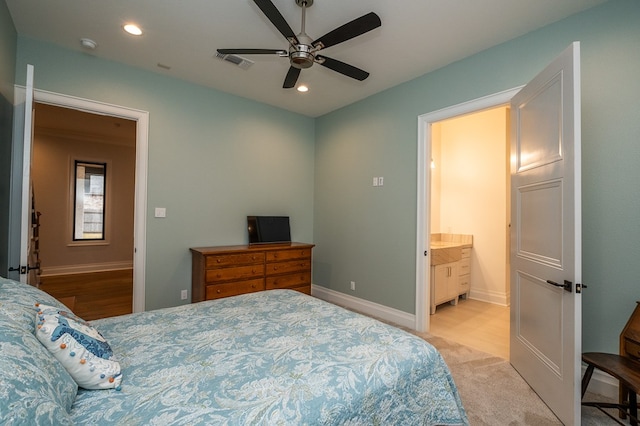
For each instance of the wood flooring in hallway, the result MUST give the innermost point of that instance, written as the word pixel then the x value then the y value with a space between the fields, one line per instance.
pixel 93 295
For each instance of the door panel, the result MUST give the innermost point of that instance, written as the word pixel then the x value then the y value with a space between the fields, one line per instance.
pixel 539 209
pixel 545 337
pixel 540 126
pixel 540 332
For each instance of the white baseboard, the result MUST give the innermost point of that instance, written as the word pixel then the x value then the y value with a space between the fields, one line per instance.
pixel 83 269
pixel 497 298
pixel 370 308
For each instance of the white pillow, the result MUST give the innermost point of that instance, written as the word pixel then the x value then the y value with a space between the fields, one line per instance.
pixel 79 347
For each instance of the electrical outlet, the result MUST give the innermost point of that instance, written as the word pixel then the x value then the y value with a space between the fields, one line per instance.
pixel 183 295
pixel 380 180
pixel 375 181
pixel 353 286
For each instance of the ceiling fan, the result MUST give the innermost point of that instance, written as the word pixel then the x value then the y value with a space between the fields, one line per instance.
pixel 303 51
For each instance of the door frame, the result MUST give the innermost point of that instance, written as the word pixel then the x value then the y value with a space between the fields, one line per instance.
pixel 423 214
pixel 141 170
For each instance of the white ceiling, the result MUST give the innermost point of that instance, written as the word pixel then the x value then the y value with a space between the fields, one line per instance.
pixel 416 37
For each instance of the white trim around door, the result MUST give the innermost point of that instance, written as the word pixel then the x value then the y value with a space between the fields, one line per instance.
pixel 423 215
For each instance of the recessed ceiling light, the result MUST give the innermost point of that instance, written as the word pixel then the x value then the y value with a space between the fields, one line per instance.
pixel 303 88
pixel 133 29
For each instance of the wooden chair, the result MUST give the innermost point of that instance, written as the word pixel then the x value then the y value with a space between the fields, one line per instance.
pixel 624 367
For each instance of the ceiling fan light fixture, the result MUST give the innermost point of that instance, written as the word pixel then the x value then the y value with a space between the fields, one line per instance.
pixel 132 29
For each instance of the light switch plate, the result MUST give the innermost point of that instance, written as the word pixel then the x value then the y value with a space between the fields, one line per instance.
pixel 161 212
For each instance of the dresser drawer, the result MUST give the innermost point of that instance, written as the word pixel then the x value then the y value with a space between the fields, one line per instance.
pixel 218 291
pixel 278 255
pixel 464 266
pixel 288 267
pixel 239 272
pixel 288 281
pixel 221 260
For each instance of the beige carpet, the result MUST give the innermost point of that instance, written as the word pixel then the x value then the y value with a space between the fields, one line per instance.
pixel 493 393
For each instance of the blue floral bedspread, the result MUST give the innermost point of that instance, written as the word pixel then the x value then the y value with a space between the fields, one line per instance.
pixel 270 358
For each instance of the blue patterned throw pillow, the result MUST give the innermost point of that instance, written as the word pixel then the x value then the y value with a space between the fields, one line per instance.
pixel 79 347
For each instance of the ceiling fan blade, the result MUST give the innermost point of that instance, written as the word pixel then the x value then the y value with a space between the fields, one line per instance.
pixel 279 52
pixel 349 30
pixel 276 18
pixel 291 78
pixel 342 68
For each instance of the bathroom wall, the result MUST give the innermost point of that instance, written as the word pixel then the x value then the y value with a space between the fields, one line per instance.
pixel 472 178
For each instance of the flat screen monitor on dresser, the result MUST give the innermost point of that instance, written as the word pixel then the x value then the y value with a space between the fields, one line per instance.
pixel 268 229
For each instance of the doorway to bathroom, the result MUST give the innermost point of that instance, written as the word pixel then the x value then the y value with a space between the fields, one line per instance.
pixel 469 202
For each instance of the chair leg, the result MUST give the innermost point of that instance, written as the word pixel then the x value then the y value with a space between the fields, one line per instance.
pixel 633 407
pixel 586 378
pixel 623 399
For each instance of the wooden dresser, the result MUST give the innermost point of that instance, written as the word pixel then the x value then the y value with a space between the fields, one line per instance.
pixel 231 270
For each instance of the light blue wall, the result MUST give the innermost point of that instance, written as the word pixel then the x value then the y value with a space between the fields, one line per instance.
pixel 213 158
pixel 8 41
pixel 200 170
pixel 367 234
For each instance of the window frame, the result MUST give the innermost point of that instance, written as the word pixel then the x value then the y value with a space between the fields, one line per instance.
pixel 71 215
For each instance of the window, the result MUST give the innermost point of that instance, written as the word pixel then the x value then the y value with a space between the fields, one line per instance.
pixel 90 202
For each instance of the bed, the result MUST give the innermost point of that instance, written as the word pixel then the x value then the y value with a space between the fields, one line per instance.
pixel 268 358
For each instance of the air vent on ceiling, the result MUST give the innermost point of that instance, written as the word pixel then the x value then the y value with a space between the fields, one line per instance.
pixel 239 61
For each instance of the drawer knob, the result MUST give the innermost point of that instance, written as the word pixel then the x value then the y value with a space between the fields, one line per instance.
pixel 275 268
pixel 218 260
pixel 218 291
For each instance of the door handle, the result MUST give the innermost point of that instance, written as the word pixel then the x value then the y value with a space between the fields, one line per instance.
pixel 567 286
pixel 24 269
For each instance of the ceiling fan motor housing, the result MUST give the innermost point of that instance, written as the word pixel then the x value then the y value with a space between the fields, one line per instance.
pixel 301 56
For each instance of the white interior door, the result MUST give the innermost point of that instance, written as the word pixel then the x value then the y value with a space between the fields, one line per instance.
pixel 546 235
pixel 25 223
